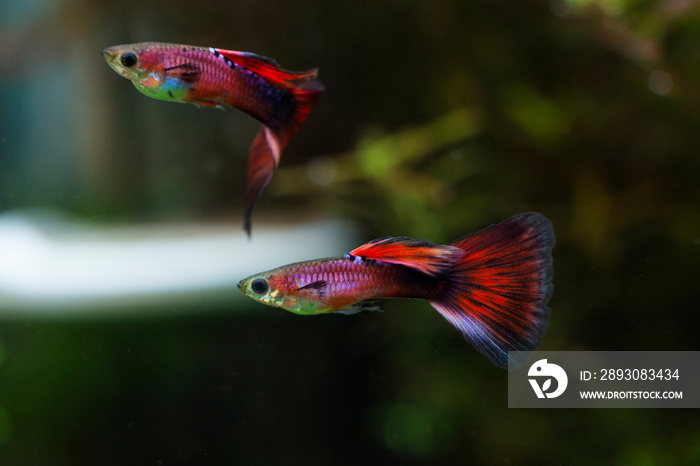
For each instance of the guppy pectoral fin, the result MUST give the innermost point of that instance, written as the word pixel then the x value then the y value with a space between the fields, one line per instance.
pixel 186 72
pixel 359 307
pixel 150 82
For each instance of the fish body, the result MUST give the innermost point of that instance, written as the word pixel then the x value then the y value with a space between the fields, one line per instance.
pixel 493 286
pixel 340 284
pixel 206 76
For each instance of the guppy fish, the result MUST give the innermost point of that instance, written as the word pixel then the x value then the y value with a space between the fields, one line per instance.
pixel 281 100
pixel 493 286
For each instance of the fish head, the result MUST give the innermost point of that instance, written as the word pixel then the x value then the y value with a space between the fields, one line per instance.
pixel 153 69
pixel 269 288
pixel 277 289
pixel 129 61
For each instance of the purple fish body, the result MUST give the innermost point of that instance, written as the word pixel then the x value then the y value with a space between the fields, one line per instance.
pixel 338 282
pixel 214 80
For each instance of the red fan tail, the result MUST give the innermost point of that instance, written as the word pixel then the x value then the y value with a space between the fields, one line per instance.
pixel 498 292
pixel 268 145
pixel 262 163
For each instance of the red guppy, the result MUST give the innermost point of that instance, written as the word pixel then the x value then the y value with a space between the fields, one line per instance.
pixel 281 100
pixel 493 286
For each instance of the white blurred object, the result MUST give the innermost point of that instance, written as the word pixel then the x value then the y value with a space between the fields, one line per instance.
pixel 50 265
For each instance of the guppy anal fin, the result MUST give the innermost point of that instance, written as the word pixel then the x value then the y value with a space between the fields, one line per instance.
pixel 359 307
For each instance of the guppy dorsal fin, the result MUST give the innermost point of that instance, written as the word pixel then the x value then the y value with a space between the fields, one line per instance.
pixel 418 254
pixel 269 68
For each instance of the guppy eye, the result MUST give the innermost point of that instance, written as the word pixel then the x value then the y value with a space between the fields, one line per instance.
pixel 129 59
pixel 259 286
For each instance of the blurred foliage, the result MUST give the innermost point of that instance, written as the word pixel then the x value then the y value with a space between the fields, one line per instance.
pixel 439 118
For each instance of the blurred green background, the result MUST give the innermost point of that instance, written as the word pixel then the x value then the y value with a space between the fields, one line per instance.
pixel 439 118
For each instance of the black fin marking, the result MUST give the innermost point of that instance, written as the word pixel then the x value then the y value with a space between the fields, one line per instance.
pixel 318 284
pixel 358 259
pixel 226 60
pixel 187 72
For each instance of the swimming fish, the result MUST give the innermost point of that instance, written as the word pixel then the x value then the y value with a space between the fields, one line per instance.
pixel 281 100
pixel 493 286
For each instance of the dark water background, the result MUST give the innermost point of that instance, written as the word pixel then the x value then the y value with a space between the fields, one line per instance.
pixel 439 118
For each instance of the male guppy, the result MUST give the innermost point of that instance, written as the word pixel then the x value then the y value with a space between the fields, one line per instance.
pixel 281 100
pixel 493 286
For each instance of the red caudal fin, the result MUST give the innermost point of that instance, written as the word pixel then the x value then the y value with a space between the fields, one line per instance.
pixel 421 255
pixel 262 163
pixel 269 143
pixel 498 291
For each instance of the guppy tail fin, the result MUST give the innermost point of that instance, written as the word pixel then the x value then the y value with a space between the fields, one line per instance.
pixel 499 289
pixel 262 164
pixel 269 143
